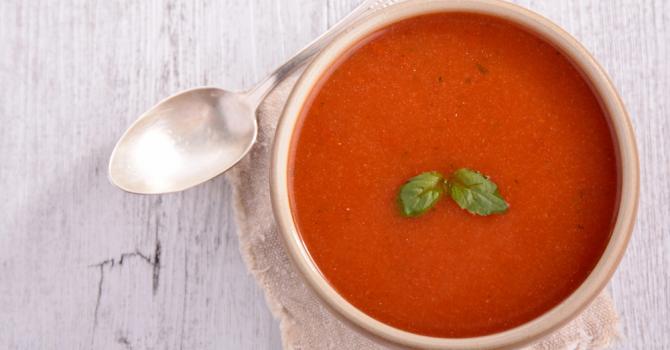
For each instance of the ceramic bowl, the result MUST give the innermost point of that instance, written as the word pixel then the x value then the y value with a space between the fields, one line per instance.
pixel 625 148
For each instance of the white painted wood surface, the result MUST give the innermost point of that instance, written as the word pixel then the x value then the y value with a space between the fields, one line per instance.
pixel 86 266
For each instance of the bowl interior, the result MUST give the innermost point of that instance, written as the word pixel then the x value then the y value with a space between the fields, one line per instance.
pixel 620 128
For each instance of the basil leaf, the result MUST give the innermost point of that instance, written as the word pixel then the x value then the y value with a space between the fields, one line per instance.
pixel 475 193
pixel 420 193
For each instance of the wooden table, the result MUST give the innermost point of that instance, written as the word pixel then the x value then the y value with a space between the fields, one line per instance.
pixel 85 266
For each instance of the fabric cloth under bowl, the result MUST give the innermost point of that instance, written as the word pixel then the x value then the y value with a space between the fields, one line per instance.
pixel 304 322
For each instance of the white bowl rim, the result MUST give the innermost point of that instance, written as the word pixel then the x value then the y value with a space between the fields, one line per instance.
pixel 623 137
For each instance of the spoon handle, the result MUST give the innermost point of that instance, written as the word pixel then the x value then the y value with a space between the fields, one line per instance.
pixel 262 89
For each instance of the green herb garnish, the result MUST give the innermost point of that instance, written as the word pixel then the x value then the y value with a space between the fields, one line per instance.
pixel 470 189
pixel 475 193
pixel 421 193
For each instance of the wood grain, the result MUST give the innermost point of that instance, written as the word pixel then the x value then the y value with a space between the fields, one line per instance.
pixel 86 266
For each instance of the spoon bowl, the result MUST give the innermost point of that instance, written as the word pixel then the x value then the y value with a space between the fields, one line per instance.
pixel 184 140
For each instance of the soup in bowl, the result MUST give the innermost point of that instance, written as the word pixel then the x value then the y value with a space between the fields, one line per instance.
pixel 442 87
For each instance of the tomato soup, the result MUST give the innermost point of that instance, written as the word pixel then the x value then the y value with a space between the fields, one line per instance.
pixel 441 92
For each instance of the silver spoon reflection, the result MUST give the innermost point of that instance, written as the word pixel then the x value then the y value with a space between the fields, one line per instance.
pixel 198 134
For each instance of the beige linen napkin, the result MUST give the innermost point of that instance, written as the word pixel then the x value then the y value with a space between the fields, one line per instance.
pixel 304 322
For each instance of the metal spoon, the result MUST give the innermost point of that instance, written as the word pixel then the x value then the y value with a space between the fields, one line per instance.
pixel 198 134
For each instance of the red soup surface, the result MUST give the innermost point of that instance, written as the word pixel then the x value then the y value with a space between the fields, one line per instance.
pixel 440 92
